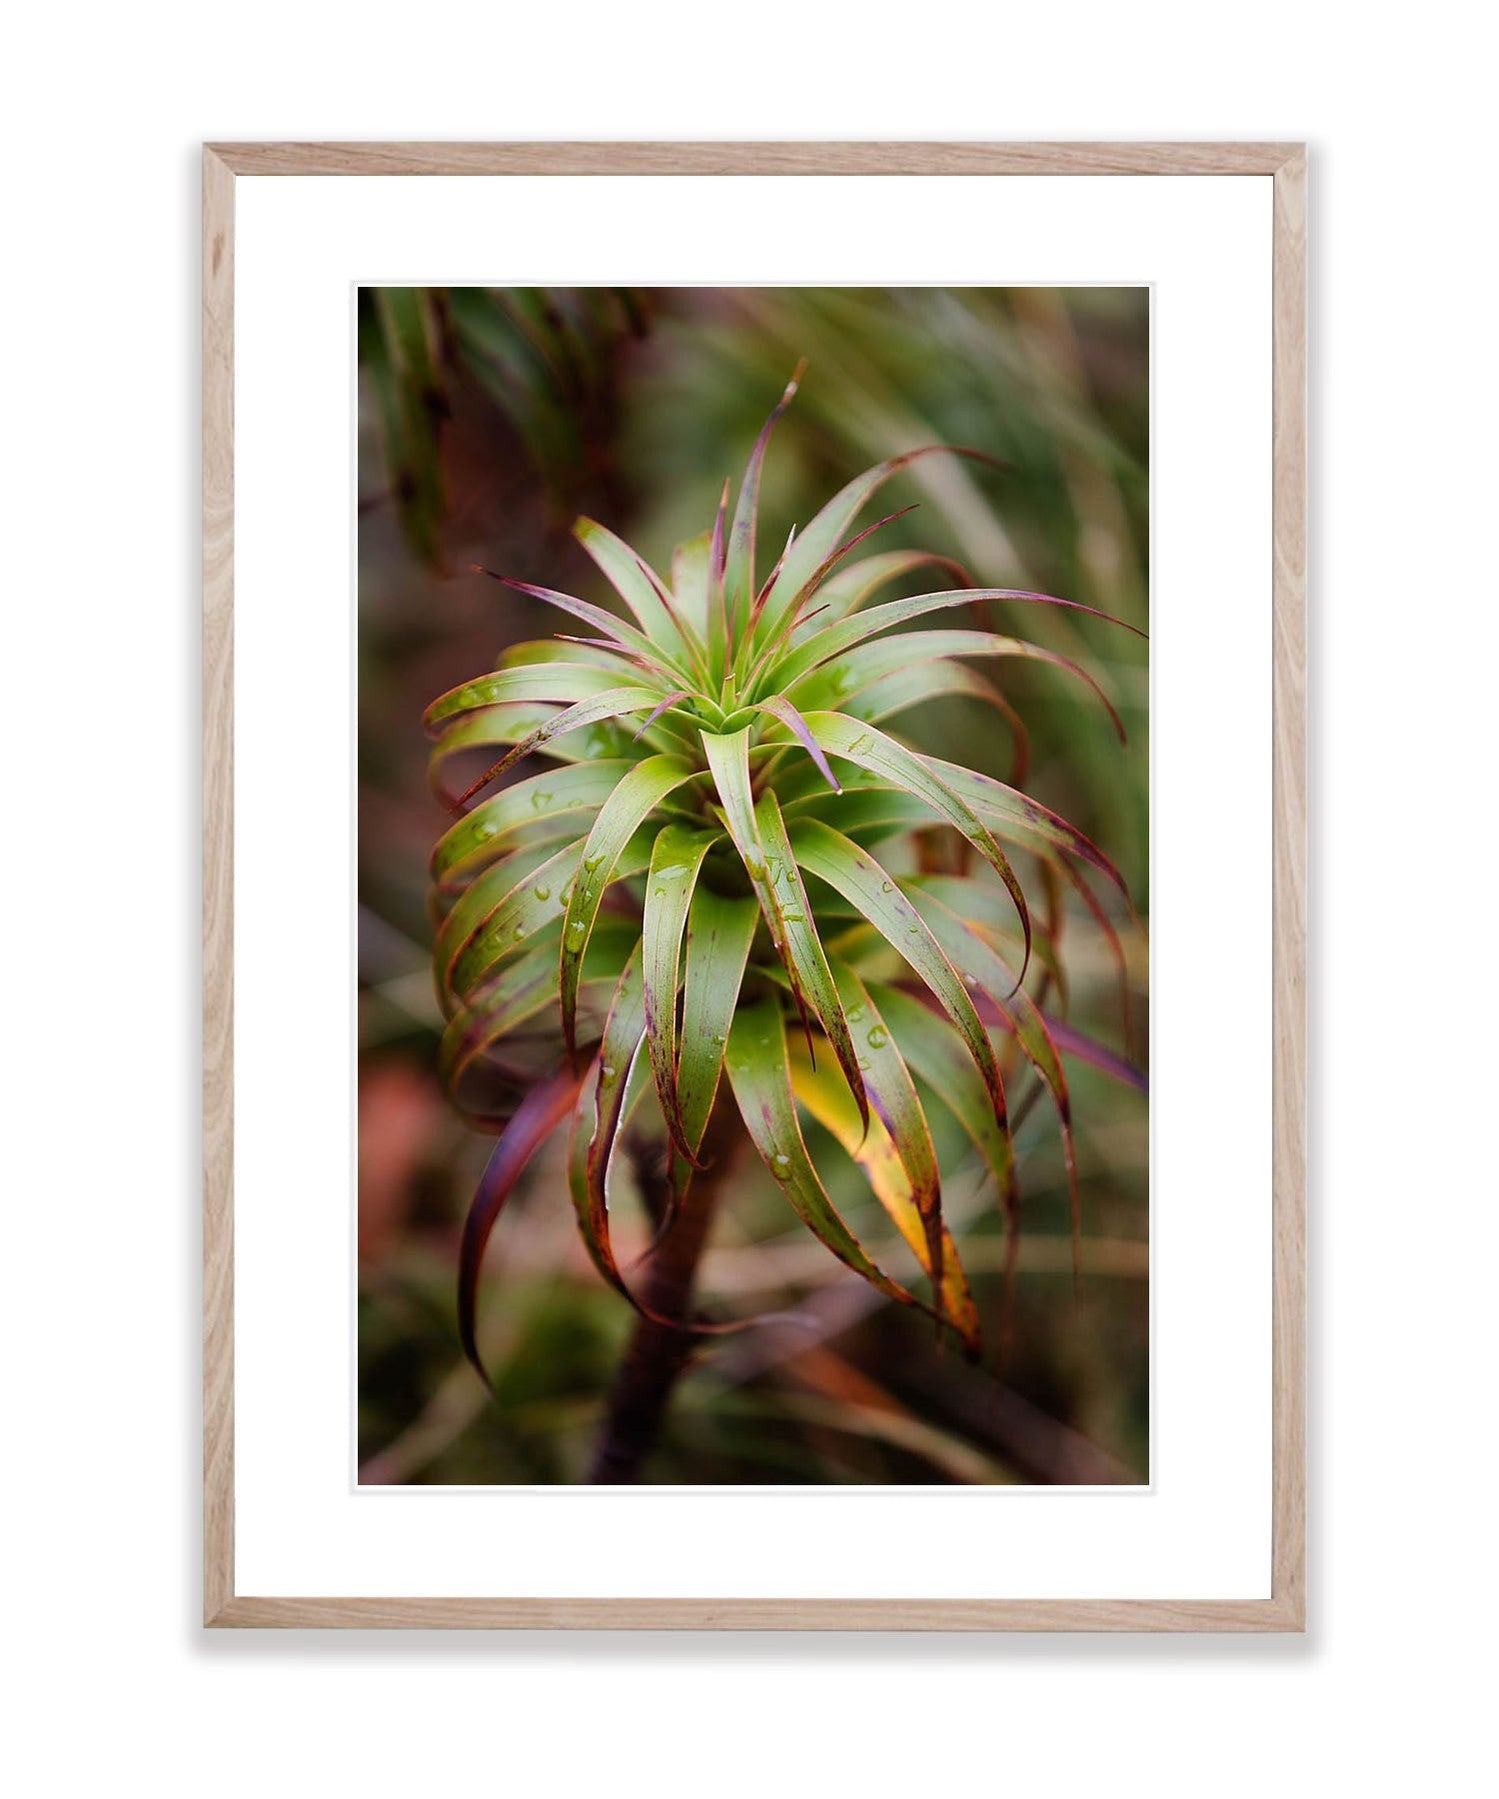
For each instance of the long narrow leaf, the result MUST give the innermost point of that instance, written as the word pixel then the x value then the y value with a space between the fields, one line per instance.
pixel 566 682
pixel 888 760
pixel 675 862
pixel 870 662
pixel 615 702
pixel 983 966
pixel 480 835
pixel 720 929
pixel 860 879
pixel 739 568
pixel 537 1116
pixel 839 637
pixel 631 802
pixel 818 541
pixel 828 1101
pixel 638 586
pixel 760 1075
pixel 892 1094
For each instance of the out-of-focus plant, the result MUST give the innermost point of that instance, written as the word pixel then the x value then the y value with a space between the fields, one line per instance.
pixel 730 867
pixel 544 357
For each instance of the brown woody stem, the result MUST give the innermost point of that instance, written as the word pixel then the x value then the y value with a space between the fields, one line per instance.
pixel 656 1354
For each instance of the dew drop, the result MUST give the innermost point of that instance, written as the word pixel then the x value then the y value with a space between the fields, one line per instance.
pixel 607 1071
pixel 878 1037
pixel 542 893
pixel 575 930
pixel 488 828
pixel 854 1014
pixel 780 1166
pixel 592 862
pixel 887 887
pixel 541 798
pixel 519 932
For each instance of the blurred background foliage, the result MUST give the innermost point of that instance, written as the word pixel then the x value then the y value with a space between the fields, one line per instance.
pixel 488 420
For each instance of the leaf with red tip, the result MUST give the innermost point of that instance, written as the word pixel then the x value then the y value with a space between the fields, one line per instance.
pixel 891 761
pixel 983 966
pixel 739 570
pixel 872 892
pixel 615 702
pixel 818 541
pixel 824 1096
pixel 893 1097
pixel 760 1076
pixel 785 713
pixel 639 586
pixel 616 630
pixel 481 835
pixel 826 645
pixel 861 668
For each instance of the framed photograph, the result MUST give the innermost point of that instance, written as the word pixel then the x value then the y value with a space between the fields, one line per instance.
pixel 754 879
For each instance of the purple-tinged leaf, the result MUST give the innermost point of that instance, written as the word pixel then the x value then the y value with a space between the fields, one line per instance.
pixel 537 1116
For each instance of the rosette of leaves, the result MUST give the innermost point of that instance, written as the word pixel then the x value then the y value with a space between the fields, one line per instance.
pixel 695 901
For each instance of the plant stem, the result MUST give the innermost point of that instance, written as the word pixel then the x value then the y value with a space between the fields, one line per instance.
pixel 656 1354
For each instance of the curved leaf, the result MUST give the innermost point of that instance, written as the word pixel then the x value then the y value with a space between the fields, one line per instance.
pixel 482 834
pixel 843 634
pixel 785 713
pixel 560 681
pixel 530 907
pixel 982 966
pixel 1018 811
pixel 675 862
pixel 739 565
pixel 870 662
pixel 614 702
pixel 521 990
pixel 849 587
pixel 885 758
pixel 499 896
pixel 537 1116
pixel 893 1097
pixel 760 1076
pixel 821 538
pixel 759 835
pixel 655 657
pixel 860 879
pixel 829 1103
pixel 620 816
pixel 638 586
pixel 720 930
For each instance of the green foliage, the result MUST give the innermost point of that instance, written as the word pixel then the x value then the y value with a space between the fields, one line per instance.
pixel 727 830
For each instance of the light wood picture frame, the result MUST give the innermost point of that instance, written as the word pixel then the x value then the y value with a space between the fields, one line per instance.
pixel 1285 165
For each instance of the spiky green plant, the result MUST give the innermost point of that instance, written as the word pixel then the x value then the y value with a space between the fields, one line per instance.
pixel 697 884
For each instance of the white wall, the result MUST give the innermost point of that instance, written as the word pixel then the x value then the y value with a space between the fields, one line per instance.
pixel 104 110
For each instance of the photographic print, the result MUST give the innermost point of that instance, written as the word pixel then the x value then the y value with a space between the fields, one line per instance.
pixel 753 886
